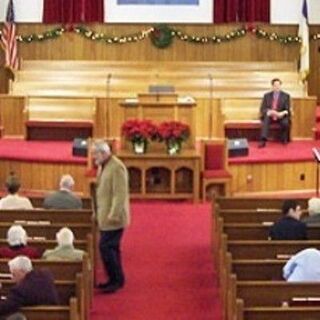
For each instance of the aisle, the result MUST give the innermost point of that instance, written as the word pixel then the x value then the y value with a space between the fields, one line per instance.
pixel 168 264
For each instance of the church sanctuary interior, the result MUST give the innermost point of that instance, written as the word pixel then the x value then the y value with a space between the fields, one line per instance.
pixel 183 92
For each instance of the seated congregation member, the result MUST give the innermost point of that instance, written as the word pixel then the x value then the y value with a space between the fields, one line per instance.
pixel 32 287
pixel 65 249
pixel 17 240
pixel 314 212
pixel 289 227
pixel 275 108
pixel 63 198
pixel 13 200
pixel 303 266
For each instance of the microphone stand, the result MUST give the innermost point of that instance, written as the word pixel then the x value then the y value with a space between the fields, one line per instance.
pixel 107 113
pixel 210 104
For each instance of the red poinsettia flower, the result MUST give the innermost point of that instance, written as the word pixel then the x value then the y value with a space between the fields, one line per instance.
pixel 137 130
pixel 173 130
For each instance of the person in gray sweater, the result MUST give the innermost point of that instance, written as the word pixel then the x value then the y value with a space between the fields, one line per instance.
pixel 65 249
pixel 63 198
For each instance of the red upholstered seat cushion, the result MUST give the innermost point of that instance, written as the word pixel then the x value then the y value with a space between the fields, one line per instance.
pixel 209 174
pixel 91 173
pixel 214 157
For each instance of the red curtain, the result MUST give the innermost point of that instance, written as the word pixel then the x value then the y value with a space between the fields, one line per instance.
pixel 73 11
pixel 255 10
pixel 241 11
pixel 225 11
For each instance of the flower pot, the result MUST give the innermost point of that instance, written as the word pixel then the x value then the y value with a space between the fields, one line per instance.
pixel 139 147
pixel 173 147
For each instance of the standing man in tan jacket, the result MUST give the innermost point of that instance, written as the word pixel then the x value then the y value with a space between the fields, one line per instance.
pixel 113 216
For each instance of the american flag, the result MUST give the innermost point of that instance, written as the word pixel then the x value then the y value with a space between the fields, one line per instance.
pixel 8 39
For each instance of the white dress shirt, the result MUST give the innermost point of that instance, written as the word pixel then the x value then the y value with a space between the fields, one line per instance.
pixel 14 201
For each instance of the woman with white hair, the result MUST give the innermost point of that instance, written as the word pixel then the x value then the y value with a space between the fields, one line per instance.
pixel 17 240
pixel 65 249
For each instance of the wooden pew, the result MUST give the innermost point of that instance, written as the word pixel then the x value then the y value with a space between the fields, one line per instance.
pixel 69 312
pixel 60 216
pixel 267 249
pixel 259 231
pixel 283 313
pixel 274 293
pixel 48 231
pixel 254 203
pixel 67 289
pixel 263 269
pixel 250 215
pixel 37 200
pixel 62 270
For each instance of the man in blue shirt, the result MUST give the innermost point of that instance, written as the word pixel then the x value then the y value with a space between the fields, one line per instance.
pixel 304 266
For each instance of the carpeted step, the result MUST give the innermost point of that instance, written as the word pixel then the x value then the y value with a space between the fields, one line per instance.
pixel 318 114
pixel 316 130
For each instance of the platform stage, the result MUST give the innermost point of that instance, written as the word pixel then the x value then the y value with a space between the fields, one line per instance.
pixel 274 168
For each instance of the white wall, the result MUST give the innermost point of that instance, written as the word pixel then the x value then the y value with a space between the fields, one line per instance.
pixel 289 11
pixel 282 12
pixel 25 10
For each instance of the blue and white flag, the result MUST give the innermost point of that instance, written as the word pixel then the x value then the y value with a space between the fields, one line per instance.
pixel 304 36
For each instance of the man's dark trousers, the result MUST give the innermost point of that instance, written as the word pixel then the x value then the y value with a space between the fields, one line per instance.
pixel 284 127
pixel 111 255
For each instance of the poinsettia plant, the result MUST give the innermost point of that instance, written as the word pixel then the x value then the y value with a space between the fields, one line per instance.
pixel 173 131
pixel 138 131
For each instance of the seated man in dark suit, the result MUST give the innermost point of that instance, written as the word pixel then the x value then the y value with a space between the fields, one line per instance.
pixel 275 108
pixel 289 227
pixel 33 287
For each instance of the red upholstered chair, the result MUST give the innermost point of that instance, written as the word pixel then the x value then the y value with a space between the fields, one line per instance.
pixel 215 166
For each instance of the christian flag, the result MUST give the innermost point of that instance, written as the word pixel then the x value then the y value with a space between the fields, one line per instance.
pixel 8 39
pixel 304 35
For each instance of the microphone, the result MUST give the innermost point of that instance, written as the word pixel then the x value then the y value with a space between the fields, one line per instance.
pixel 109 75
pixel 210 76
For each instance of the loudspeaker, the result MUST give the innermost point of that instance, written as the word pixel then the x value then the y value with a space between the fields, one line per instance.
pixel 238 147
pixel 80 147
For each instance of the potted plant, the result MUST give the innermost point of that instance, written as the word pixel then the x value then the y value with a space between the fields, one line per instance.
pixel 173 133
pixel 139 132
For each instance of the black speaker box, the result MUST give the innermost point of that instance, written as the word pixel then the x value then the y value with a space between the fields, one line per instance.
pixel 80 147
pixel 238 147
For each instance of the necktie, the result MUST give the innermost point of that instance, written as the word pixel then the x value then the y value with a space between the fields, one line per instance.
pixel 274 105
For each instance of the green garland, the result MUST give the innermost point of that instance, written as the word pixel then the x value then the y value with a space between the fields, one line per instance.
pixel 162 36
pixel 47 35
pixel 99 36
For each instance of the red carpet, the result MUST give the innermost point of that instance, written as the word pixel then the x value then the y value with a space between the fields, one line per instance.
pixel 169 268
pixel 38 151
pixel 61 152
pixel 295 151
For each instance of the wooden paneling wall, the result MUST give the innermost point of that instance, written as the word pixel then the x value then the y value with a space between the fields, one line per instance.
pixel 11 114
pixel 284 176
pixel 44 176
pixel 74 47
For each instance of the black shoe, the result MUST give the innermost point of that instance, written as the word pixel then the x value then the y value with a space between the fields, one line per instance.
pixel 103 285
pixel 112 288
pixel 262 144
pixel 284 142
